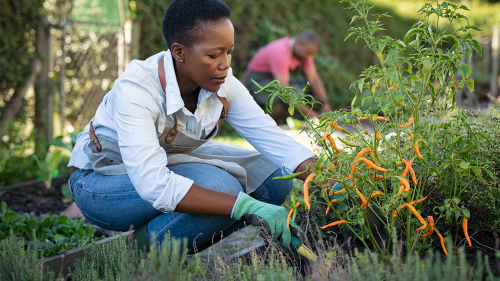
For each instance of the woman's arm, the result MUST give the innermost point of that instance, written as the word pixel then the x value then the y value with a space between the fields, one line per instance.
pixel 201 200
pixel 261 131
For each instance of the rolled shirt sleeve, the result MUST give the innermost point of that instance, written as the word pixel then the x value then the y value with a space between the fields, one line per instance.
pixel 135 114
pixel 260 130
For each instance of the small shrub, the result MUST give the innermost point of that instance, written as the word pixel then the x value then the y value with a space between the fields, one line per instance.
pixel 20 264
pixel 367 266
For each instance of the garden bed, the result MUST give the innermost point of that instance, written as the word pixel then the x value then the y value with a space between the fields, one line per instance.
pixel 62 264
pixel 32 196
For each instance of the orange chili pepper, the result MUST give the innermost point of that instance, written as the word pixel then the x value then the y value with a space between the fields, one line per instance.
pixel 290 215
pixel 363 205
pixel 306 190
pixel 363 118
pixel 377 193
pixel 406 88
pixel 413 176
pixel 417 151
pixel 340 191
pixel 373 157
pixel 418 216
pixel 333 224
pixel 412 136
pixel 372 165
pixel 442 242
pixel 330 123
pixel 408 165
pixel 405 183
pixel 391 88
pixel 333 143
pixel 353 168
pixel 401 188
pixel 431 227
pixel 324 137
pixel 410 121
pixel 411 203
pixel 466 233
pixel 328 208
pixel 363 152
pixel 332 166
pixel 380 118
pixel 379 136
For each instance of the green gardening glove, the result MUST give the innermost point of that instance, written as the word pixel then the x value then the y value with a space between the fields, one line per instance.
pixel 271 217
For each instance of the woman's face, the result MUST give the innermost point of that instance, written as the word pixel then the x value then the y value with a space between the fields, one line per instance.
pixel 206 62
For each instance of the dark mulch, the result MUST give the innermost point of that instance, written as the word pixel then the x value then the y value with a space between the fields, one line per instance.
pixel 37 199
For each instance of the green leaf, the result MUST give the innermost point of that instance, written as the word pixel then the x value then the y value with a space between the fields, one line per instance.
pixel 11 217
pixel 349 35
pixel 477 47
pixel 483 136
pixel 463 7
pixel 353 19
pixel 464 165
pixel 66 192
pixel 58 141
pixel 62 220
pixel 360 85
pixel 470 83
pixel 4 208
pixel 466 213
pixel 490 174
pixel 427 64
pixel 465 69
pixel 477 172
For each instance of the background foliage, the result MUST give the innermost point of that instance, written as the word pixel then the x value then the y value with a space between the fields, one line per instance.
pixel 259 22
pixel 17 20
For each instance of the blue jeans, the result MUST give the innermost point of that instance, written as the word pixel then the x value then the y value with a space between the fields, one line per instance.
pixel 111 202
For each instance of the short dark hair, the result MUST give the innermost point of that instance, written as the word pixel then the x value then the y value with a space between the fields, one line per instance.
pixel 182 15
pixel 309 37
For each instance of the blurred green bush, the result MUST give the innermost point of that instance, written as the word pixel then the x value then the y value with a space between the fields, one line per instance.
pixel 259 22
pixel 18 20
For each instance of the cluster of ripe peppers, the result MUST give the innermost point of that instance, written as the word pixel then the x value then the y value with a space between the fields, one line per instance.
pixel 371 164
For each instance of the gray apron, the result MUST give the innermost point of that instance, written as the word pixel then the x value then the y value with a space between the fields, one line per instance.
pixel 249 167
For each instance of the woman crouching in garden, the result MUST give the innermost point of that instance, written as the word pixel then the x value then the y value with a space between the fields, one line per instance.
pixel 147 160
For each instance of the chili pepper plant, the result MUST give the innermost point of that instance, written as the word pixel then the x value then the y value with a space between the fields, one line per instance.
pixel 393 163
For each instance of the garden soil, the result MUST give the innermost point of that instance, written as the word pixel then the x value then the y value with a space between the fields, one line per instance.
pixel 36 199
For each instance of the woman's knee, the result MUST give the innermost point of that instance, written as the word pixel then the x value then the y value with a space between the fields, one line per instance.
pixel 273 191
pixel 208 176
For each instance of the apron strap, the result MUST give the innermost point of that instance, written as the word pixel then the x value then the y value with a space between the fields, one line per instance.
pixel 93 138
pixel 172 133
pixel 225 107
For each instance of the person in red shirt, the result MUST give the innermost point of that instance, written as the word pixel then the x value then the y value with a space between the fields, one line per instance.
pixel 275 61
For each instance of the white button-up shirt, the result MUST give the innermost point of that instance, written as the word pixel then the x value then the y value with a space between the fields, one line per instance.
pixel 134 113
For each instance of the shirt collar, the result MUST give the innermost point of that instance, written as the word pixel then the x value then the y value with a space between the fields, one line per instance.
pixel 173 98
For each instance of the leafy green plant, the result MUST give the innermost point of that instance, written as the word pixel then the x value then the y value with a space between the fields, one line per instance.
pixel 6 156
pixel 414 87
pixel 48 168
pixel 53 234
pixel 60 141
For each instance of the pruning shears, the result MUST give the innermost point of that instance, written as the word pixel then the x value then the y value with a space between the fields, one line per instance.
pixel 300 248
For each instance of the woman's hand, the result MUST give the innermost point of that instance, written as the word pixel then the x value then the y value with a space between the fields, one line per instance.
pixel 273 218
